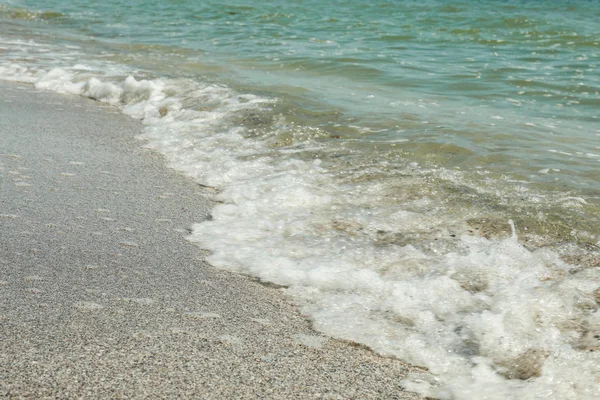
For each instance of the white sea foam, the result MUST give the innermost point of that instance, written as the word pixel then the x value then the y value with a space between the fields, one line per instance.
pixel 487 317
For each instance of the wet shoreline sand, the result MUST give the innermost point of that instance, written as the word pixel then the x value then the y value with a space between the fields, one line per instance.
pixel 101 295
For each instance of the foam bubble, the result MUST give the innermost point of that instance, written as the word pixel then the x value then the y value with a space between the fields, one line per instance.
pixel 487 317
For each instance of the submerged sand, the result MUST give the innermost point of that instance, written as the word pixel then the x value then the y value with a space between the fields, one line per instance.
pixel 101 296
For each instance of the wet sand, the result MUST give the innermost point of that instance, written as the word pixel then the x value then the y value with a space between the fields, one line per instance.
pixel 101 296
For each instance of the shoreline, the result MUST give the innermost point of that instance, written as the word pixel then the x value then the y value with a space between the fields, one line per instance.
pixel 102 296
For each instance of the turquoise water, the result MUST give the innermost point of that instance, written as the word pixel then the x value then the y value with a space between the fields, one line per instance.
pixel 508 85
pixel 385 144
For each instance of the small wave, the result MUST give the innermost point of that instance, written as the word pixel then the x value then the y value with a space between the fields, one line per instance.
pixel 370 248
pixel 25 14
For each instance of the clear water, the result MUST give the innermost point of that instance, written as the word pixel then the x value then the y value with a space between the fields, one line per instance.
pixel 370 156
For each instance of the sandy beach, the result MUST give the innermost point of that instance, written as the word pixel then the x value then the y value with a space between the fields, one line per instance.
pixel 102 296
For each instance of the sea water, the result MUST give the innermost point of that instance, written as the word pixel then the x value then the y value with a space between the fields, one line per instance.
pixel 423 176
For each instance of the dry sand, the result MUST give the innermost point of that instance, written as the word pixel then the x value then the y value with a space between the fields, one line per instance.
pixel 102 297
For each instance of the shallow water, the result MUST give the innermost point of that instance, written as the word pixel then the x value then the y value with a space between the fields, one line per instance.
pixel 422 176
